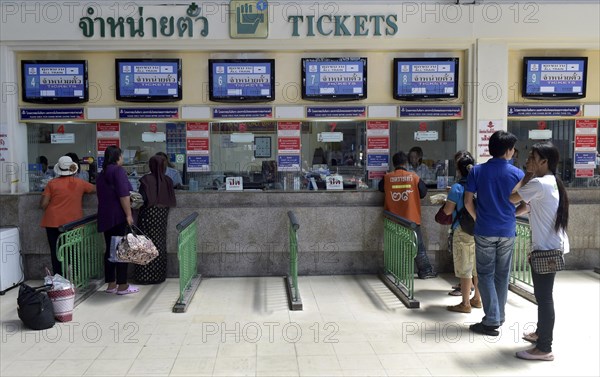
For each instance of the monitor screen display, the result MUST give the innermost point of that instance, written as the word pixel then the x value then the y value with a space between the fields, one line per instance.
pixel 148 80
pixel 425 78
pixel 559 77
pixel 54 81
pixel 249 80
pixel 334 79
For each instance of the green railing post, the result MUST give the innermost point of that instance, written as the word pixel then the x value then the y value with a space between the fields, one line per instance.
pixel 80 251
pixel 187 254
pixel 399 252
pixel 520 275
pixel 293 291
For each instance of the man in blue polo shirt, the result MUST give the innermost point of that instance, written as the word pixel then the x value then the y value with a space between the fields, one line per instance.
pixel 495 225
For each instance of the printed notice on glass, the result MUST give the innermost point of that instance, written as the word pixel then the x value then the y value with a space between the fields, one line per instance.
pixel 107 130
pixel 197 146
pixel 485 129
pixel 378 145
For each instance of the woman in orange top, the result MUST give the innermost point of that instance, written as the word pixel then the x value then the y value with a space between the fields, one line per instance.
pixel 61 202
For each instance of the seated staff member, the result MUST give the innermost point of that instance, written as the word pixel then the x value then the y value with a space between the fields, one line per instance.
pixel 171 171
pixel 416 165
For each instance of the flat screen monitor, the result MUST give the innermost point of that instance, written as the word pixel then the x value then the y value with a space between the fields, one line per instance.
pixel 247 80
pixel 148 80
pixel 54 81
pixel 421 79
pixel 554 78
pixel 334 79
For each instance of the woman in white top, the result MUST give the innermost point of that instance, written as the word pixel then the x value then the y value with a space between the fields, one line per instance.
pixel 548 204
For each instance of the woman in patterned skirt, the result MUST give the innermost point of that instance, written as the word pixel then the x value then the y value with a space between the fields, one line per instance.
pixel 158 193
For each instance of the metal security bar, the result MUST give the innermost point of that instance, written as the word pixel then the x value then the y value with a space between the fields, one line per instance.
pixel 187 254
pixel 80 250
pixel 293 292
pixel 399 252
pixel 520 275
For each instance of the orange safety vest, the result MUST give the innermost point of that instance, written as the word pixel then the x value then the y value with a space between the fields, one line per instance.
pixel 402 198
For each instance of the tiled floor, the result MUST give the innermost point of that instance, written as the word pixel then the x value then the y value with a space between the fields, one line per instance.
pixel 350 326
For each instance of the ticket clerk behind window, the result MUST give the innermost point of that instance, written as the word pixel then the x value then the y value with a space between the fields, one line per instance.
pixel 415 162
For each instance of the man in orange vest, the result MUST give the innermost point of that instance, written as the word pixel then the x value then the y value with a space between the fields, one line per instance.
pixel 403 193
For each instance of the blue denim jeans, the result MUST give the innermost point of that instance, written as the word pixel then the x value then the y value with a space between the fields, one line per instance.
pixel 543 285
pixel 422 260
pixel 493 256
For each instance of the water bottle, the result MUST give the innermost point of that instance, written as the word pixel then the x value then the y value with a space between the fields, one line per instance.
pixel 193 185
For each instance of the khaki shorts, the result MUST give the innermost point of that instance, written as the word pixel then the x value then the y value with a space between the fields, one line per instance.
pixel 463 253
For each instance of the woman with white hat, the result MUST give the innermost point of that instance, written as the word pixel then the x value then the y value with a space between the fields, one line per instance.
pixel 62 203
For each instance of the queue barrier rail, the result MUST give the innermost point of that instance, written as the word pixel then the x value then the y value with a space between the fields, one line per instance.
pixel 293 291
pixel 520 281
pixel 187 255
pixel 399 251
pixel 80 250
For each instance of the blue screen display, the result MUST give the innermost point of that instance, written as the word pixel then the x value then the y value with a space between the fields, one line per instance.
pixel 242 80
pixel 555 77
pixel 54 80
pixel 426 78
pixel 149 79
pixel 335 77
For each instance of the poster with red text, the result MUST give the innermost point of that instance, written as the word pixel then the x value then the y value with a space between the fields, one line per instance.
pixel 378 145
pixel 485 129
pixel 197 146
pixel 586 135
pixel 107 134
pixel 289 145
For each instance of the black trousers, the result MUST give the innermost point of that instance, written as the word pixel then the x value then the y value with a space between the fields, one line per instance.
pixel 114 271
pixel 543 284
pixel 53 234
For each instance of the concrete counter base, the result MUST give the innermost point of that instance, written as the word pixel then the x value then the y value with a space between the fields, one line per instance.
pixel 246 234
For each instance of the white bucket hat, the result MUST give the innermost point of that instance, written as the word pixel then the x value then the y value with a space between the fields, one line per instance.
pixel 65 166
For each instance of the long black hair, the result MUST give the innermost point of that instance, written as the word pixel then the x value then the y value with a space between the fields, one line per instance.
pixel 464 162
pixel 547 151
pixel 111 156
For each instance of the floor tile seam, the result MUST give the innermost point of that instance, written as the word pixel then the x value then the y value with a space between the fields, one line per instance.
pixel 44 372
pixel 340 363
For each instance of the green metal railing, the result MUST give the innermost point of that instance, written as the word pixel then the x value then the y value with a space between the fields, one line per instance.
pixel 292 279
pixel 520 275
pixel 187 254
pixel 80 250
pixel 399 252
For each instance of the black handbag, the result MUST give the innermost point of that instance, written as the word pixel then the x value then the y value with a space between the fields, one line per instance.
pixel 34 307
pixel 547 261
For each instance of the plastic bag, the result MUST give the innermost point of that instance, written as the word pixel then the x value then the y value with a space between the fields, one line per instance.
pixel 137 201
pixel 438 198
pixel 114 245
pixel 57 282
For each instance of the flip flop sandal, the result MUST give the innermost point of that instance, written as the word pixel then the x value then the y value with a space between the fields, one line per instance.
pixel 130 289
pixel 455 292
pixel 456 287
pixel 531 337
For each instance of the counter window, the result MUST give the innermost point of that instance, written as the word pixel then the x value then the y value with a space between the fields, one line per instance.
pixel 573 153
